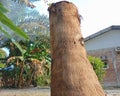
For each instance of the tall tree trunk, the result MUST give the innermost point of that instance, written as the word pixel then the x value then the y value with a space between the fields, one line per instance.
pixel 72 74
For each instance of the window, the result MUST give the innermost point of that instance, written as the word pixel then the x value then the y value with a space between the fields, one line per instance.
pixel 106 66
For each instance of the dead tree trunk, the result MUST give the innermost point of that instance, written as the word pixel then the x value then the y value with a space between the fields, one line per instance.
pixel 72 74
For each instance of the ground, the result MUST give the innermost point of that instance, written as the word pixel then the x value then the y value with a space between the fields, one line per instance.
pixel 37 91
pixel 44 91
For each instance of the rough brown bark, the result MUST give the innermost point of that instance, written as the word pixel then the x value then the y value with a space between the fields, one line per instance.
pixel 72 74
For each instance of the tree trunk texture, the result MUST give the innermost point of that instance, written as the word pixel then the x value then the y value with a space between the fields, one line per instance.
pixel 72 73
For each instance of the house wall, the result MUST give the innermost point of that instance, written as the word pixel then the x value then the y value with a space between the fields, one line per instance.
pixel 112 75
pixel 105 40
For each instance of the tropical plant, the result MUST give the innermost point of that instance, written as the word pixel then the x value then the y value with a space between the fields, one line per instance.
pixel 40 50
pixel 5 21
pixel 42 54
pixel 2 53
pixel 30 51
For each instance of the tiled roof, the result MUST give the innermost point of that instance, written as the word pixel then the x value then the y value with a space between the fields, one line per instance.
pixel 114 27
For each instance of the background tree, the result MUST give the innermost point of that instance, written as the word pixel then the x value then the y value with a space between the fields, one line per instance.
pixel 29 20
pixel 23 21
pixel 6 24
pixel 35 24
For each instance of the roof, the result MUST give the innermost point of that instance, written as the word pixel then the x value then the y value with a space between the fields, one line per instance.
pixel 113 27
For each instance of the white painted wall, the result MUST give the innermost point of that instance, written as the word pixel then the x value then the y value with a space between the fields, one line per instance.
pixel 107 40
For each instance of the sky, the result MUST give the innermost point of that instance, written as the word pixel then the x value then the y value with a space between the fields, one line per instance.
pixel 96 14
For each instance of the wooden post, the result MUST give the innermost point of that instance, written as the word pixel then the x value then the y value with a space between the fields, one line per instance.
pixel 72 74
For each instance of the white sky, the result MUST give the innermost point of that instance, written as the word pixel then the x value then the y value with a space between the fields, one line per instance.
pixel 97 14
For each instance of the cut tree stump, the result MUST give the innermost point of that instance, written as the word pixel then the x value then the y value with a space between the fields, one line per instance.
pixel 72 73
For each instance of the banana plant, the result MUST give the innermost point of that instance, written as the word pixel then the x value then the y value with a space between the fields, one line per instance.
pixel 19 47
pixel 7 22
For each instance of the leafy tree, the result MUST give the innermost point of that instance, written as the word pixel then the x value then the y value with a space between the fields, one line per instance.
pixel 29 20
pixel 98 66
pixel 17 11
pixel 35 24
pixel 7 24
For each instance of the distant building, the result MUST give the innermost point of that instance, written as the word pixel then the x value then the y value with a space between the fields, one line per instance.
pixel 105 44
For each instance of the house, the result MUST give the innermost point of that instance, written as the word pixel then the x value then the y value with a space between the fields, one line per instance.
pixel 105 44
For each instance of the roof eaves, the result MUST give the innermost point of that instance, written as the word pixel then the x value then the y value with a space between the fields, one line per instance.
pixel 102 32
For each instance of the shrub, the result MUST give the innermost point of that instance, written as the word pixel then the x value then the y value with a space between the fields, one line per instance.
pixel 98 66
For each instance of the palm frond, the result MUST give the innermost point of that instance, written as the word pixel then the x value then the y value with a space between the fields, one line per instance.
pixel 6 21
pixel 5 32
pixel 18 46
pixel 2 9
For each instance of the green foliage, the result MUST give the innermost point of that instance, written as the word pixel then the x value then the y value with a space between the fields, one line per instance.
pixel 7 22
pixel 38 50
pixel 44 80
pixel 98 66
pixel 2 9
pixel 22 64
pixel 19 47
pixel 2 65
pixel 2 53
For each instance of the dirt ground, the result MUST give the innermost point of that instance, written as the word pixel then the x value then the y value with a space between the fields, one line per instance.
pixel 25 92
pixel 37 91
